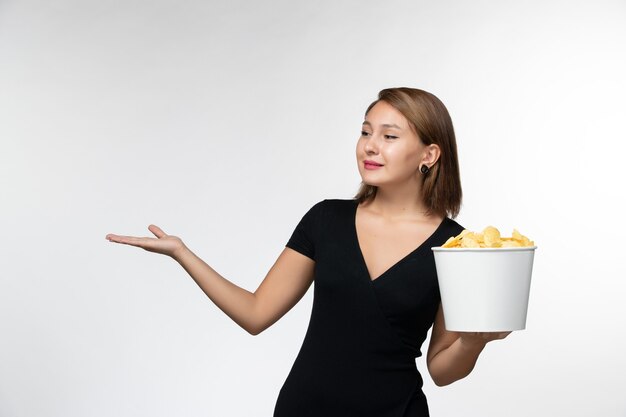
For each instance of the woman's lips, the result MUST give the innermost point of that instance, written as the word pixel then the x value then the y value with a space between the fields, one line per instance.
pixel 371 166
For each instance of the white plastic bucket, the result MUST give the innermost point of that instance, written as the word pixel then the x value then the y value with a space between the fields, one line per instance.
pixel 484 289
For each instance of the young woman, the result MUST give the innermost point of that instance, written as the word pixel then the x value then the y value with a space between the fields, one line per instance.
pixel 376 292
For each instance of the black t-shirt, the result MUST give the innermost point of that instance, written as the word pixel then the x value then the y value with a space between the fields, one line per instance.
pixel 358 355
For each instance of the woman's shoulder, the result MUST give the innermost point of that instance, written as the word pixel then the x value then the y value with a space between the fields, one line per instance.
pixel 335 203
pixel 452 226
pixel 332 208
pixel 339 202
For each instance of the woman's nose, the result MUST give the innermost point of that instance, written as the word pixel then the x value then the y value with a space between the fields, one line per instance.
pixel 371 145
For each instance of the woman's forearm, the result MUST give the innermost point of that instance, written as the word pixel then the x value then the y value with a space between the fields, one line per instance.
pixel 236 302
pixel 455 362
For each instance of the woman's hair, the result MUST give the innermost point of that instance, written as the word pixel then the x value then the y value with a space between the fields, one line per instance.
pixel 429 118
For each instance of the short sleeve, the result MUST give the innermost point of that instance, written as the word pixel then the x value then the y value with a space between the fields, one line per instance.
pixel 304 237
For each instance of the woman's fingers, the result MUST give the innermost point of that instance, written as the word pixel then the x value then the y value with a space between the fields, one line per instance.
pixel 482 337
pixel 489 336
pixel 498 335
pixel 115 238
pixel 156 230
pixel 162 243
pixel 130 240
pixel 137 241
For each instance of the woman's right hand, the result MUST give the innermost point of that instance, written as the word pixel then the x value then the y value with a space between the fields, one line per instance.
pixel 163 243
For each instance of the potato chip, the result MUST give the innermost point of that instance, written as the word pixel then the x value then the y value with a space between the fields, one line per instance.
pixel 471 240
pixel 451 242
pixel 522 239
pixel 489 238
pixel 492 237
pixel 468 242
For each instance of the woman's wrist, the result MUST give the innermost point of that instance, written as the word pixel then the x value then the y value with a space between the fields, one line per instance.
pixel 180 253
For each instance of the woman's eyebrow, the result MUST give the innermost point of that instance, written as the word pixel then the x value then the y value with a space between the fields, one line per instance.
pixel 386 125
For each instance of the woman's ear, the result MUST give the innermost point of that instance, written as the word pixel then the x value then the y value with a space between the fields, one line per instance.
pixel 431 155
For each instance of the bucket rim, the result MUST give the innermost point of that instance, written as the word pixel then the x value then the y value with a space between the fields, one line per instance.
pixel 515 249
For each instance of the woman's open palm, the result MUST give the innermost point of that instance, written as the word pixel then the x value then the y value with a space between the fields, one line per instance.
pixel 162 243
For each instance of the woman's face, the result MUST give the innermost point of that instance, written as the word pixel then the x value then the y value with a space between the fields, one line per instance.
pixel 387 139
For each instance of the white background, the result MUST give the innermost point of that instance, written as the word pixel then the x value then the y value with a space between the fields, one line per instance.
pixel 224 122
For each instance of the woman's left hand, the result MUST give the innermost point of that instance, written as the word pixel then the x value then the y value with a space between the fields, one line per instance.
pixel 480 339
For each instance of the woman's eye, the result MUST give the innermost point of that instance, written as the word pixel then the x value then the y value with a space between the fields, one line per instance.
pixel 390 137
pixel 364 133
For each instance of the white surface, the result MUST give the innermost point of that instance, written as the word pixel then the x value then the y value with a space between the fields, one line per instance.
pixel 223 122
pixel 484 290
